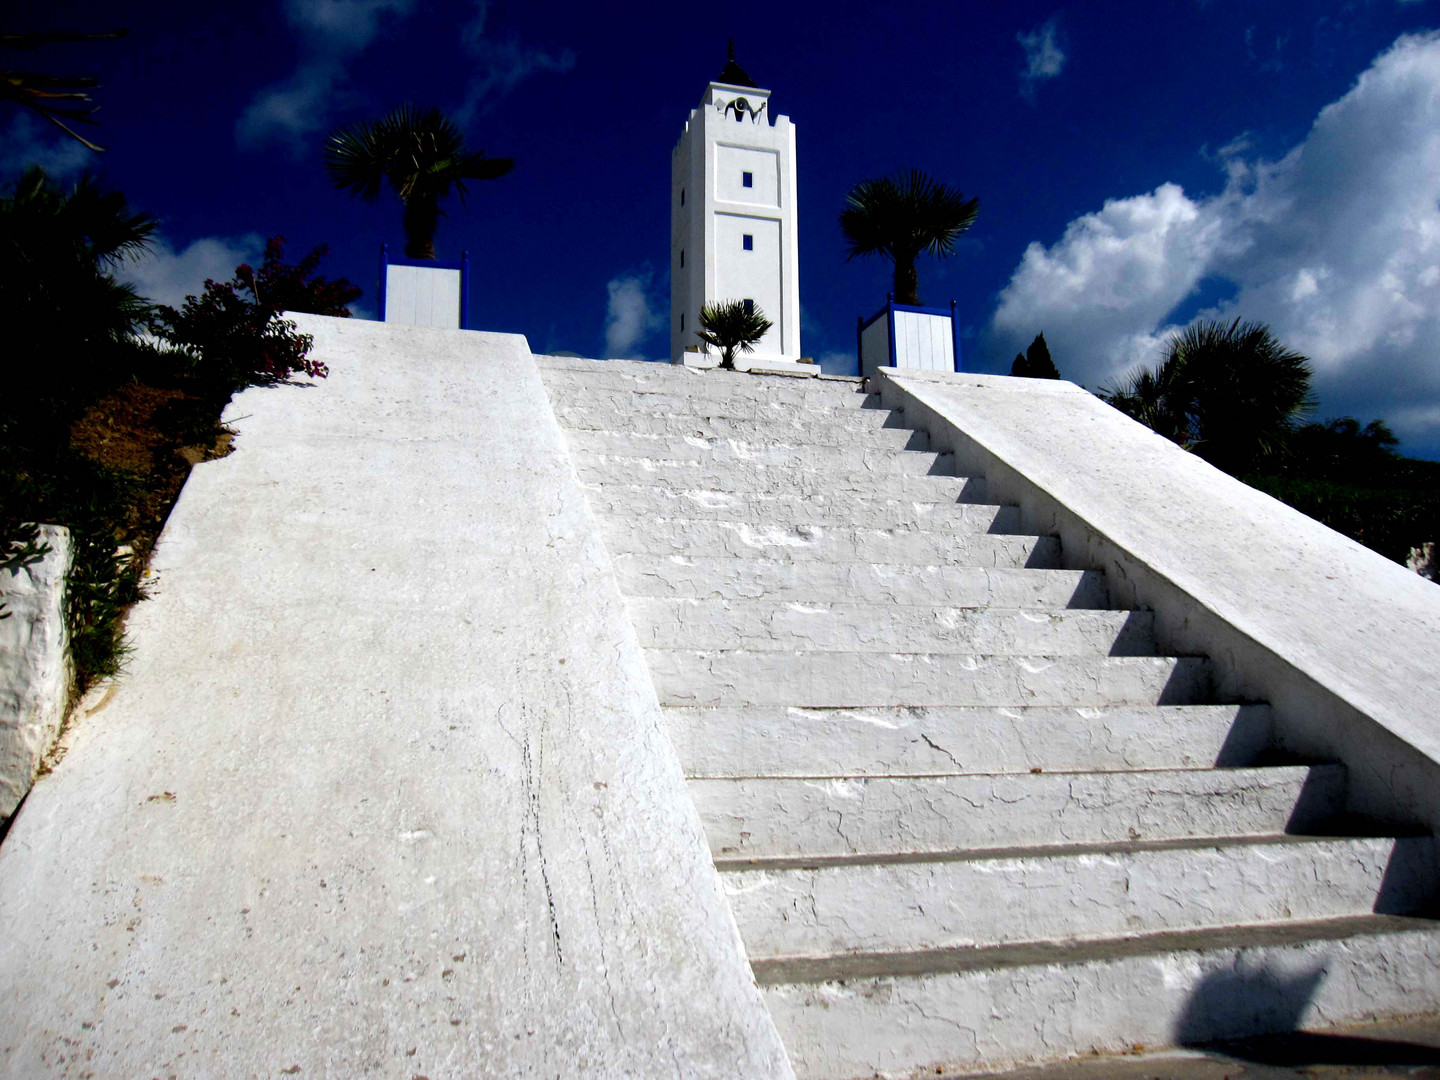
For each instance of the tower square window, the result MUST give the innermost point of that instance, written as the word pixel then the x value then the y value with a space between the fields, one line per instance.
pixel 747 179
pixel 749 307
pixel 747 242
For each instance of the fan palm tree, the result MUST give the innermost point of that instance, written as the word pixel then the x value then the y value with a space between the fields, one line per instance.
pixel 53 96
pixel 901 217
pixel 731 326
pixel 421 154
pixel 1231 393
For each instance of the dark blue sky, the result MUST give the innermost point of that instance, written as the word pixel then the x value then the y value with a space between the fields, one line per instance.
pixel 1179 114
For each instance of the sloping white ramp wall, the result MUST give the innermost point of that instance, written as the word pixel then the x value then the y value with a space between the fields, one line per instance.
pixel 385 789
pixel 1343 643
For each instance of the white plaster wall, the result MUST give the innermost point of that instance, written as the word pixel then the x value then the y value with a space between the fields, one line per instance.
pixel 875 346
pixel 385 790
pixel 754 274
pixel 34 665
pixel 422 296
pixel 1341 641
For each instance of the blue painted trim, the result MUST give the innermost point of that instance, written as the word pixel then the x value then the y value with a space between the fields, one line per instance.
pixel 921 310
pixel 955 333
pixel 890 311
pixel 465 295
pixel 384 263
pixel 865 324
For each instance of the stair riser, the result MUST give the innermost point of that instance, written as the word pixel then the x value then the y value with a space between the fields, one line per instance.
pixel 806 543
pixel 638 501
pixel 954 586
pixel 915 906
pixel 863 427
pixel 784 818
pixel 863 1027
pixel 770 452
pixel 741 624
pixel 779 741
pixel 846 680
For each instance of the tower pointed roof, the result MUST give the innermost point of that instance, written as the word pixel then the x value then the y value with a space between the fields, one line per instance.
pixel 733 74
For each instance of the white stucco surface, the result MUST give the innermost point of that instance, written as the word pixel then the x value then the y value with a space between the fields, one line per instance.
pixel 34 665
pixel 423 296
pixel 1332 633
pixel 385 790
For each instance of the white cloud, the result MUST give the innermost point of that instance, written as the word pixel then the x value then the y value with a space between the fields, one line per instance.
pixel 1044 55
pixel 502 64
pixel 631 315
pixel 1336 246
pixel 32 141
pixel 330 33
pixel 167 277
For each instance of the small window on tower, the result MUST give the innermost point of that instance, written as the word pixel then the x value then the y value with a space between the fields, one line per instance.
pixel 747 242
pixel 682 258
pixel 747 179
pixel 682 196
pixel 749 307
pixel 682 322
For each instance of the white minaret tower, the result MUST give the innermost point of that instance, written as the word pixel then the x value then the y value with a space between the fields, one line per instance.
pixel 732 218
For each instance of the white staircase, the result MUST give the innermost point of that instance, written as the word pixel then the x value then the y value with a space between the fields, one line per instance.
pixel 965 814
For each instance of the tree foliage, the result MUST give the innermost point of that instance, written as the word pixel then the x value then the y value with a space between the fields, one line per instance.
pixel 1035 362
pixel 731 326
pixel 902 217
pixel 235 332
pixel 420 154
pixel 69 322
pixel 1232 393
pixel 56 98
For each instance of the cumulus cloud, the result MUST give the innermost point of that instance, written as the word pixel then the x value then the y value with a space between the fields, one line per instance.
pixel 1336 246
pixel 631 315
pixel 330 33
pixel 1044 55
pixel 166 276
pixel 501 64
pixel 29 141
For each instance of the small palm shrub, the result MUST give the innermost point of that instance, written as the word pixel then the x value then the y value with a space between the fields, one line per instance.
pixel 731 326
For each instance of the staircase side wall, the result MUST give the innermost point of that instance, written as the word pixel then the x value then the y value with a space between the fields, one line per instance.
pixel 385 788
pixel 1344 643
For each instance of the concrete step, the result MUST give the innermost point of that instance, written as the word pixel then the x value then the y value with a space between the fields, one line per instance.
pixel 778 818
pixel 808 582
pixel 795 478
pixel 1086 892
pixel 700 394
pixel 877 461
pixel 833 489
pixel 955 1010
pixel 843 544
pixel 776 740
pixel 624 411
pixel 858 679
pixel 606 377
pixel 774 439
pixel 848 627
pixel 763 508
pixel 844 428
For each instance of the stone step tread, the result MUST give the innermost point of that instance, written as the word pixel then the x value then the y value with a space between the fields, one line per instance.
pixel 781 447
pixel 791 511
pixel 806 543
pixel 833 491
pixel 608 410
pixel 781 817
pixel 674 378
pixel 881 467
pixel 856 679
pixel 756 625
pixel 778 399
pixel 1053 895
pixel 841 428
pixel 777 740
pixel 1052 953
pixel 674 441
